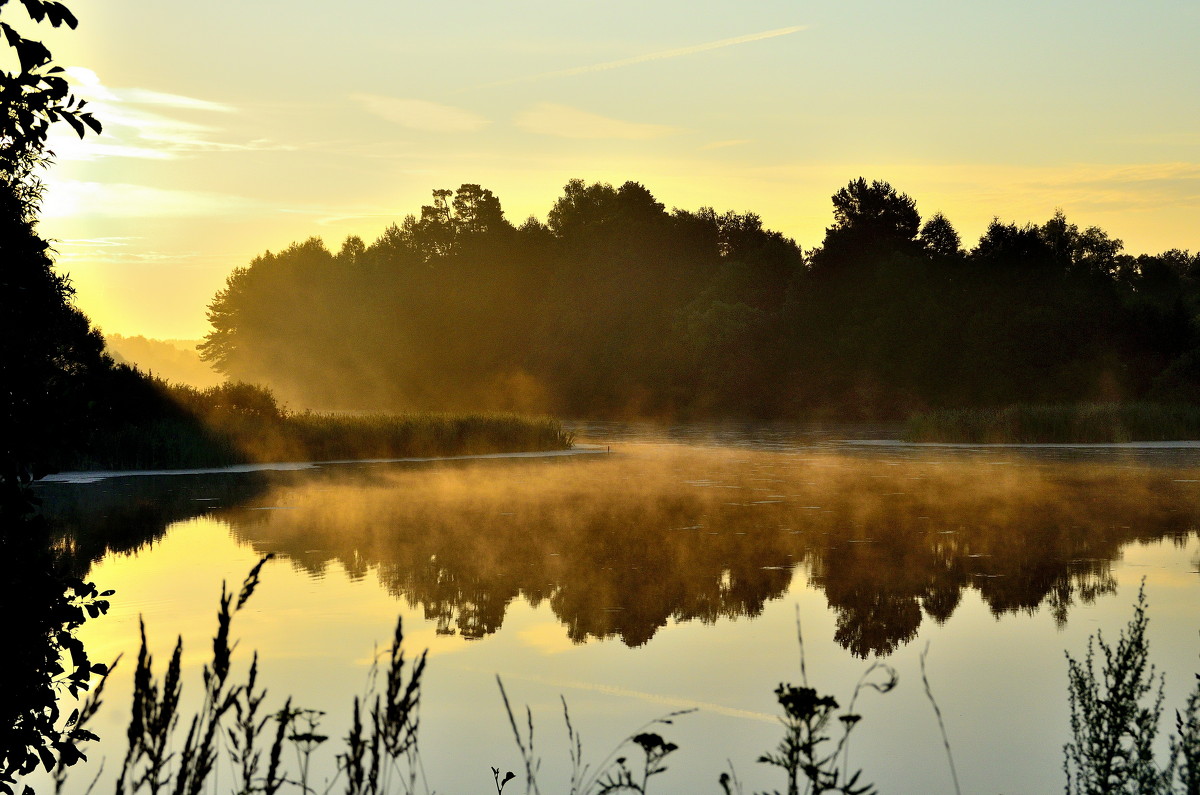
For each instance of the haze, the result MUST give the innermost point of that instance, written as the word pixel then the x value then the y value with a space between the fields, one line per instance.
pixel 231 129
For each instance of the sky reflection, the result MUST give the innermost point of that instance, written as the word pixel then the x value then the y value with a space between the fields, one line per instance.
pixel 624 583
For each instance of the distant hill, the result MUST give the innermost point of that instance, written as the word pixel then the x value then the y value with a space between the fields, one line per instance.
pixel 176 361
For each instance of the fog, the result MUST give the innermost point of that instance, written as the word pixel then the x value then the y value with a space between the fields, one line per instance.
pixel 621 544
pixel 176 361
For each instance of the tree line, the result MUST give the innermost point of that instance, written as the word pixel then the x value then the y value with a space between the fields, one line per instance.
pixel 615 306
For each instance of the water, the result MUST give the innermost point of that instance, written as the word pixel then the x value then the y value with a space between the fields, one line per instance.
pixel 668 575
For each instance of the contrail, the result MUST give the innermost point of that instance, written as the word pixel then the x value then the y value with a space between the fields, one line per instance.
pixel 653 56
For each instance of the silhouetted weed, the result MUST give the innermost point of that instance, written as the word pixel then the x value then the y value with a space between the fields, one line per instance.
pixel 1113 726
pixel 1115 715
pixel 613 774
pixel 1114 720
pixel 500 782
pixel 1185 745
pixel 941 723
pixel 380 756
pixel 1059 423
pixel 810 748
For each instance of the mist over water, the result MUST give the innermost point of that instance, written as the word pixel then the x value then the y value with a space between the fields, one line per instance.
pixel 620 544
pixel 667 573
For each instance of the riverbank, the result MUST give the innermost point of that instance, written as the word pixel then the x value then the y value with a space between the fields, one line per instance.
pixel 92 476
pixel 170 426
pixel 1094 423
pixel 185 442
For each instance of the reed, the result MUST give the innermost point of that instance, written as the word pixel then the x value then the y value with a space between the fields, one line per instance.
pixel 1060 423
pixel 240 423
pixel 1115 704
pixel 612 774
pixel 231 725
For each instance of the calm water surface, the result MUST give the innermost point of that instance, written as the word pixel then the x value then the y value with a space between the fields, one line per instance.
pixel 665 575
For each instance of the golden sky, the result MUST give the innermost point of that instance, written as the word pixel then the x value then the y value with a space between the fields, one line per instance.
pixel 236 127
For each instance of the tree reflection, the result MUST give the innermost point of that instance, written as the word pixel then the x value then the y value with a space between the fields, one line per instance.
pixel 42 660
pixel 620 546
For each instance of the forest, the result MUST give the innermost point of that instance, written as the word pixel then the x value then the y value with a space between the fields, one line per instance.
pixel 617 307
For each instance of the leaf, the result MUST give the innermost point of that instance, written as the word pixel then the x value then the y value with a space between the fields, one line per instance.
pixel 31 54
pixel 10 35
pixel 35 8
pixel 78 127
pixel 59 13
pixel 92 122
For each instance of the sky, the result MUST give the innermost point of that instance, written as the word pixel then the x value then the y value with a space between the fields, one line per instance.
pixel 233 127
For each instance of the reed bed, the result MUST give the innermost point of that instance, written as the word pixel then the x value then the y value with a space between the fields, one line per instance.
pixel 332 436
pixel 239 424
pixel 1060 423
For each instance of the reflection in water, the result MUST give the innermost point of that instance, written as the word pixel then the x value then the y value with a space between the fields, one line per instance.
pixel 620 545
pixel 125 514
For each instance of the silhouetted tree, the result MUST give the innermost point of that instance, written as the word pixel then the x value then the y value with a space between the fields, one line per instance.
pixel 1008 246
pixel 616 306
pixel 477 210
pixel 581 208
pixel 50 364
pixel 876 209
pixel 353 250
pixel 33 98
pixel 940 238
pixel 48 348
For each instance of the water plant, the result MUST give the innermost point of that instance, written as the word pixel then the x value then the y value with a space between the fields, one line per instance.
pixel 1057 423
pixel 175 426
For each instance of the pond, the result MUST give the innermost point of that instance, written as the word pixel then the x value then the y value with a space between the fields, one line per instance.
pixel 665 571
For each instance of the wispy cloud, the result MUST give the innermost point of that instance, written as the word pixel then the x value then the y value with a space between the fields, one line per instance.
pixel 88 84
pixel 547 118
pixel 661 55
pixel 96 242
pixel 1175 138
pixel 67 146
pixel 75 199
pixel 1091 186
pixel 420 114
pixel 107 255
pixel 725 144
pixel 142 96
pixel 137 125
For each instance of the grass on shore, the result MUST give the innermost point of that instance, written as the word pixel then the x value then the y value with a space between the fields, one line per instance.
pixel 240 423
pixel 1059 423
